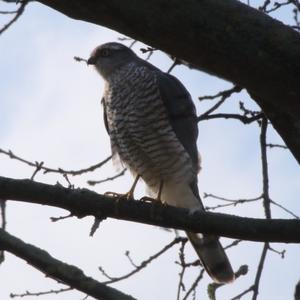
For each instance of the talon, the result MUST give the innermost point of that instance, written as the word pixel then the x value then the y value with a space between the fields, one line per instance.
pixel 148 199
pixel 115 195
pixel 127 196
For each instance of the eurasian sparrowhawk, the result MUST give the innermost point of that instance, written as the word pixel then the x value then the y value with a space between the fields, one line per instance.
pixel 152 124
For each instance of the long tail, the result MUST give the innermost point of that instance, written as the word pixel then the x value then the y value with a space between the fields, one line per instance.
pixel 208 247
pixel 212 256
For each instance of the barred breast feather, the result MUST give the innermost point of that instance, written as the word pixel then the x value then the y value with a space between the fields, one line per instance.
pixel 152 125
pixel 140 129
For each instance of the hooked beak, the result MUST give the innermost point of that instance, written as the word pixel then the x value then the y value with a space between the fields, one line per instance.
pixel 91 60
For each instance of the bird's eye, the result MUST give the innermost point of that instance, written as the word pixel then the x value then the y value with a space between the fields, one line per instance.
pixel 105 52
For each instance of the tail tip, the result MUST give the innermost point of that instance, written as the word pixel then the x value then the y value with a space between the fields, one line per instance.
pixel 224 278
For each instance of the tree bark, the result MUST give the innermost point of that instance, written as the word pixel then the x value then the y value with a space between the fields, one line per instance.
pixel 82 202
pixel 222 37
pixel 58 270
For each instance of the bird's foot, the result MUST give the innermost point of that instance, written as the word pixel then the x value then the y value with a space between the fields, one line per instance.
pixel 118 197
pixel 148 199
pixel 153 200
pixel 194 210
pixel 126 196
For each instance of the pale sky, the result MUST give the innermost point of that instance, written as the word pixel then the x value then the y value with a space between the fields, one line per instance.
pixel 50 111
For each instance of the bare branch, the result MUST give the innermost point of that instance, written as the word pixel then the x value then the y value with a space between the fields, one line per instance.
pixel 233 244
pixel 143 264
pixel 183 266
pixel 212 109
pixel 243 119
pixel 275 7
pixel 194 285
pixel 40 166
pixel 4 12
pixel 58 270
pixel 239 296
pixel 3 224
pixel 231 201
pixel 226 93
pixel 297 291
pixel 27 293
pixel 284 208
pixel 277 146
pixel 175 63
pixel 265 174
pixel 281 253
pixel 15 18
pixel 94 182
pixel 255 287
pixel 3 213
pixel 83 203
pixel 80 59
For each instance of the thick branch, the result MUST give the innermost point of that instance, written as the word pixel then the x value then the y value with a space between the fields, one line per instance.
pixel 58 270
pixel 83 203
pixel 222 37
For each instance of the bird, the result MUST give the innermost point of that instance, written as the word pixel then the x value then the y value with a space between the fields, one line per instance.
pixel 152 124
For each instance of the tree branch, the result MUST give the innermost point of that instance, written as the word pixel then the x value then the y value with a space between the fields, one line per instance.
pixel 225 37
pixel 82 202
pixel 58 270
pixel 18 14
pixel 40 165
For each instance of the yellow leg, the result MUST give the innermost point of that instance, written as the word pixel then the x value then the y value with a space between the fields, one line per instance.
pixel 128 195
pixel 160 191
pixel 158 198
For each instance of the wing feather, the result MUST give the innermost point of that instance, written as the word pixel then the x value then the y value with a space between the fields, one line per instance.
pixel 182 116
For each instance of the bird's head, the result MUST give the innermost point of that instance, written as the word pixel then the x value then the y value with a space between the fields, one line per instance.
pixel 109 57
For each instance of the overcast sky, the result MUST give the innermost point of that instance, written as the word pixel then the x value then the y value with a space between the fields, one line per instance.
pixel 50 111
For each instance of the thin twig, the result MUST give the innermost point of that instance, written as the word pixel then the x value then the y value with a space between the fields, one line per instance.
pixel 212 109
pixel 225 93
pixel 265 174
pixel 94 182
pixel 175 63
pixel 233 244
pixel 183 268
pixel 277 146
pixel 255 287
pixel 281 253
pixel 3 213
pixel 231 201
pixel 241 118
pixel 194 285
pixel 142 265
pixel 239 296
pixel 3 225
pixel 284 208
pixel 96 225
pixel 56 219
pixel 58 170
pixel 27 293
pixel 297 291
pixel 266 201
pixel 58 270
pixel 127 254
pixel 15 18
pixel 4 12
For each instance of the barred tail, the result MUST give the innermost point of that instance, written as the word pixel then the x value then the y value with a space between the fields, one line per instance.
pixel 212 256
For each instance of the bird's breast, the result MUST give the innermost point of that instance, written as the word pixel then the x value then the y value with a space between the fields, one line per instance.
pixel 140 129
